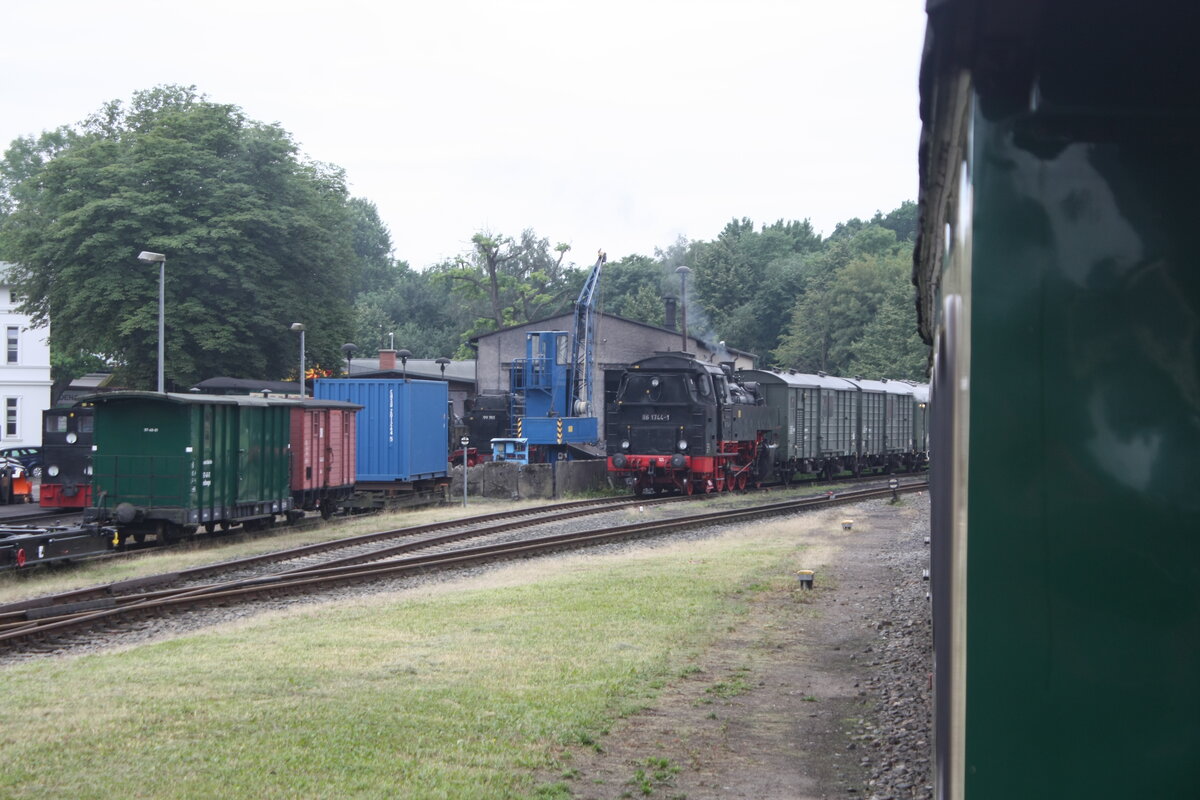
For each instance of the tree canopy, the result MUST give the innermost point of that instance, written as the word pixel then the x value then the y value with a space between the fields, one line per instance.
pixel 507 281
pixel 255 236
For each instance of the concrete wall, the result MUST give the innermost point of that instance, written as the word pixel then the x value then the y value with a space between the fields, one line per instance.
pixel 505 480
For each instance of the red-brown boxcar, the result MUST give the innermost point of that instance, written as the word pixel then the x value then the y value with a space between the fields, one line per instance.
pixel 323 453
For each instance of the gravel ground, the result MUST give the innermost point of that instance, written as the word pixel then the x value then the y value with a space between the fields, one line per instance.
pixel 837 700
pixel 896 737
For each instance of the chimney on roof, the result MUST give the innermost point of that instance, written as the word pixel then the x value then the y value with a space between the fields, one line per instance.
pixel 669 313
pixel 387 360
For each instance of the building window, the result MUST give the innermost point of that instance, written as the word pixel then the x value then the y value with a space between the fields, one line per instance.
pixel 10 417
pixel 14 343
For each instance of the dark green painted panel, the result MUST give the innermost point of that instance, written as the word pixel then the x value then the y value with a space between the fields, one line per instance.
pixel 191 461
pixel 1083 632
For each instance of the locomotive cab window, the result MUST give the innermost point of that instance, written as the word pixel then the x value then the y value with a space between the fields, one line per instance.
pixel 86 423
pixel 723 390
pixel 56 424
pixel 648 389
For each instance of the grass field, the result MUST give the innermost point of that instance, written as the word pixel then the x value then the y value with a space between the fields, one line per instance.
pixel 460 690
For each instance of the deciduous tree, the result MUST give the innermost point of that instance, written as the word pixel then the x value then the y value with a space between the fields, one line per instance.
pixel 256 237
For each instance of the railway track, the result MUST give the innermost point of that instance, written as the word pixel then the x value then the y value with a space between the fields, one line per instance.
pixel 356 548
pixel 117 607
pixel 39 515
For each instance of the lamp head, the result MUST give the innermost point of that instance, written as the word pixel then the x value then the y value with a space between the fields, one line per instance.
pixel 146 257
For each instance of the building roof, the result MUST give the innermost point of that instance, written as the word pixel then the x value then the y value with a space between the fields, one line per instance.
pixel 460 371
pixel 246 386
pixel 708 345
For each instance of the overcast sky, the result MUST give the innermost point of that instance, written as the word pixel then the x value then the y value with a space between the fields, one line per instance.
pixel 620 124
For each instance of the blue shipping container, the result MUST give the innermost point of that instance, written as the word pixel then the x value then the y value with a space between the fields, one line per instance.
pixel 402 429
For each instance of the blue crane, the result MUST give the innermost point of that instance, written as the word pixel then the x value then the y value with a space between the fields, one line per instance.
pixel 583 344
pixel 551 387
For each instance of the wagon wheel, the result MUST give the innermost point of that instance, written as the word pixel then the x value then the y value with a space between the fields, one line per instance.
pixel 742 480
pixel 689 486
pixel 326 508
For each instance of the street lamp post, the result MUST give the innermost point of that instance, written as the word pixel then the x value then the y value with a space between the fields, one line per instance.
pixel 683 272
pixel 405 355
pixel 464 441
pixel 299 326
pixel 146 257
pixel 348 350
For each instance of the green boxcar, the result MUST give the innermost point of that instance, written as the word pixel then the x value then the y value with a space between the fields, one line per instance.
pixel 167 464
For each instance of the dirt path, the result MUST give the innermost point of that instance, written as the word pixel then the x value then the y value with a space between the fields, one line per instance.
pixel 788 704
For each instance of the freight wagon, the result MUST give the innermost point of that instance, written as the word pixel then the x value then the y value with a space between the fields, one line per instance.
pixel 167 464
pixel 323 446
pixel 833 425
pixel 819 413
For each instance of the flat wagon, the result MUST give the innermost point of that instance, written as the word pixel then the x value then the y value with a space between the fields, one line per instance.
pixel 402 433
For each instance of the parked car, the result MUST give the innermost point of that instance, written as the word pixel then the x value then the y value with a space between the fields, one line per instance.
pixel 30 457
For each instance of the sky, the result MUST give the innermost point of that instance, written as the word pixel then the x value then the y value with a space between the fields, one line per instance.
pixel 620 125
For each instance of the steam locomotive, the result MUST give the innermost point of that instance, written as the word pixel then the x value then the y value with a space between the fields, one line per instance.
pixel 679 424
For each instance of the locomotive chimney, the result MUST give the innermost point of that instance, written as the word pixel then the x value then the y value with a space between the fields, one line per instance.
pixel 669 313
pixel 387 360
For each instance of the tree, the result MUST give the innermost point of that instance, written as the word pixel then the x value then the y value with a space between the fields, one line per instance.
pixel 890 346
pixel 255 236
pixel 372 247
pixel 856 315
pixel 510 281
pixel 747 281
pixel 633 288
pixel 416 310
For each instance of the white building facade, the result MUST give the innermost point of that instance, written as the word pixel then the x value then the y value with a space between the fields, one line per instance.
pixel 24 372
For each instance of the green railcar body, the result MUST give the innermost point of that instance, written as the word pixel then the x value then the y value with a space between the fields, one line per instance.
pixel 169 462
pixel 1061 289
